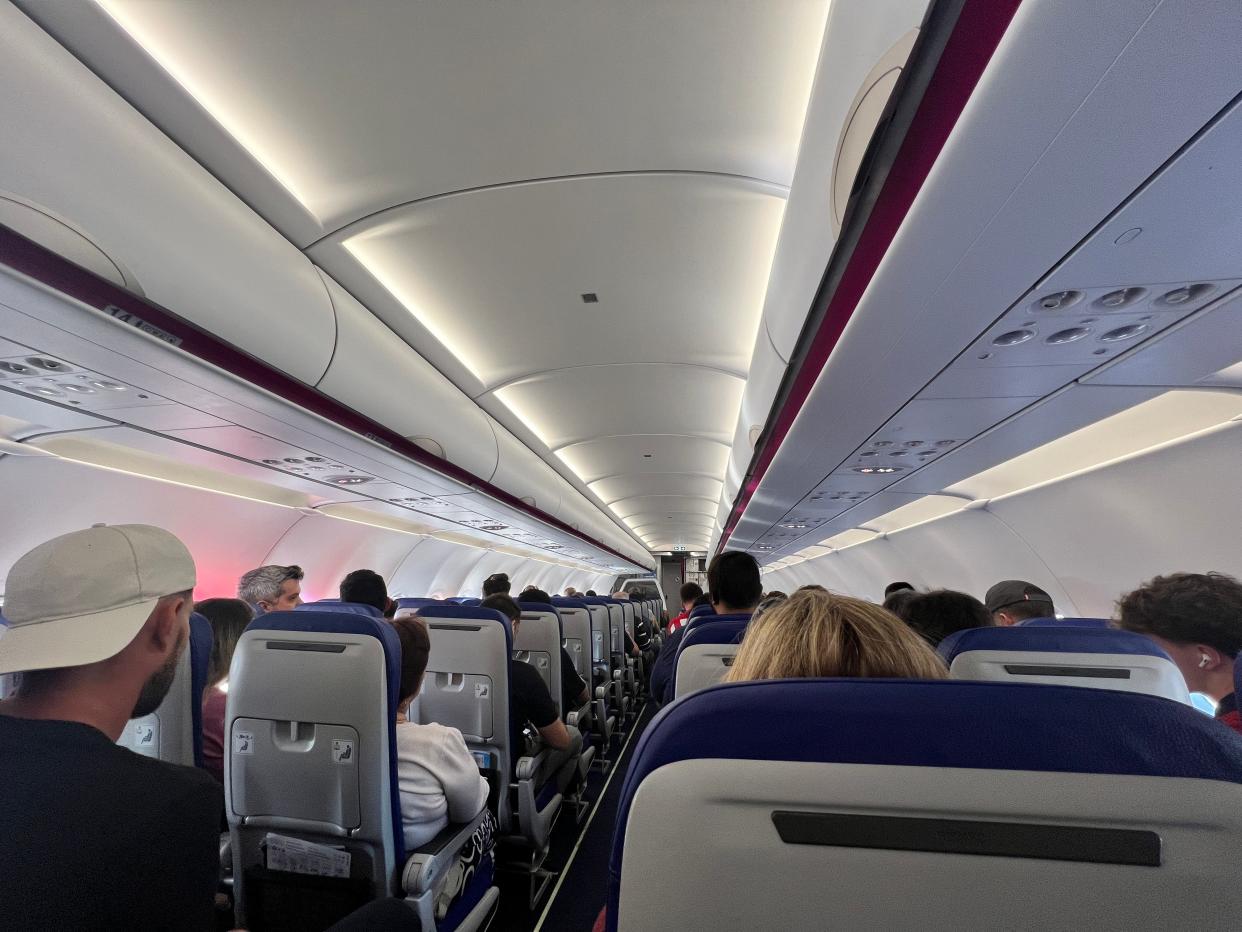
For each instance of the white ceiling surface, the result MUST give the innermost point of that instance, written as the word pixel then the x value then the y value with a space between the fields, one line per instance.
pixel 469 169
pixel 1017 188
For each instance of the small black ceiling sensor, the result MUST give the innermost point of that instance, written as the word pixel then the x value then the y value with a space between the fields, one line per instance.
pixel 646 456
pixel 590 297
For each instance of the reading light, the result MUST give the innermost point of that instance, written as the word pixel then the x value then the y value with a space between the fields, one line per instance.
pixel 349 480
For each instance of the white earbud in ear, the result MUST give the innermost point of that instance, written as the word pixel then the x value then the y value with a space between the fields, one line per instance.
pixel 1204 660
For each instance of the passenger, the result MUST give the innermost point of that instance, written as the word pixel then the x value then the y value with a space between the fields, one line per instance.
pixel 936 615
pixel 897 600
pixel 94 835
pixel 896 587
pixel 811 587
pixel 574 692
pixel 530 702
pixel 735 587
pixel 272 588
pixel 496 584
pixel 228 618
pixel 776 594
pixel 437 775
pixel 1196 618
pixel 590 593
pixel 689 595
pixel 570 592
pixel 1014 600
pixel 366 587
pixel 816 634
pixel 769 602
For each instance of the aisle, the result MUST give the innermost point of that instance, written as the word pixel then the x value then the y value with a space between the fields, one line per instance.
pixel 584 883
pixel 579 854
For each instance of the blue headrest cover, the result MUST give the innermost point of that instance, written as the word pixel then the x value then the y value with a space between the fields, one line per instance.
pixel 714 631
pixel 471 613
pixel 565 602
pixel 700 610
pixel 1058 639
pixel 1063 623
pixel 944 723
pixel 336 605
pixel 334 622
pixel 200 661
pixel 694 622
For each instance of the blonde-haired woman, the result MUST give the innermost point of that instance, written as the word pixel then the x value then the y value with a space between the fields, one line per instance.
pixel 816 633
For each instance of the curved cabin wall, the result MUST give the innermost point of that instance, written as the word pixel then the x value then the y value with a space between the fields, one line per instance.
pixel 229 535
pixel 1087 538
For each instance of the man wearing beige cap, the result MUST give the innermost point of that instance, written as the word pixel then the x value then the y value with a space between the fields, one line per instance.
pixel 96 836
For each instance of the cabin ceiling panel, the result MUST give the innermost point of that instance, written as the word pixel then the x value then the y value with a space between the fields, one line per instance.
pixel 615 488
pixel 497 277
pixel 671 504
pixel 450 96
pixel 577 403
pixel 644 453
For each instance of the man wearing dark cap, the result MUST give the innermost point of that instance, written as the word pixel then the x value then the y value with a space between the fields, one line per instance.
pixel 1013 600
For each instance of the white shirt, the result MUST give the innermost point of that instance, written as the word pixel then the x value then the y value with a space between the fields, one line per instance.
pixel 439 780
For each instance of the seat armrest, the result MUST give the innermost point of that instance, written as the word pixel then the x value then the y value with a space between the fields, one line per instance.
pixel 426 866
pixel 528 767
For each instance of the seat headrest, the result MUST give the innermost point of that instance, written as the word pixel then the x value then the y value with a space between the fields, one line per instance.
pixel 693 624
pixel 1054 639
pixel 1063 623
pixel 336 605
pixel 715 630
pixel 566 602
pixel 700 610
pixel 944 723
pixel 200 662
pixel 418 602
pixel 537 607
pixel 469 613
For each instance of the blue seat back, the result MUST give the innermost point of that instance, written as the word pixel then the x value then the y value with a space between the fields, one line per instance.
pixel 538 643
pixel 174 731
pixel 700 610
pixel 336 605
pixel 467 682
pixel 874 784
pixel 1096 658
pixel 310 739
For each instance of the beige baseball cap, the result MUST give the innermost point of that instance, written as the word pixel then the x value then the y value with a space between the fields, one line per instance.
pixel 82 597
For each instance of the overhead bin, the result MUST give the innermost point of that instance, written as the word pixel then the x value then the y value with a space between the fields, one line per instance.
pixel 378 374
pixel 85 155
